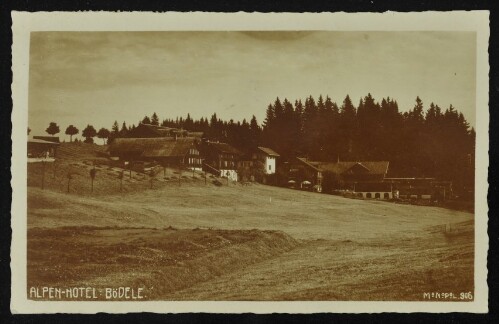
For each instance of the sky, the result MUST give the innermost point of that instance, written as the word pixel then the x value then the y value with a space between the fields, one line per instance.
pixel 95 78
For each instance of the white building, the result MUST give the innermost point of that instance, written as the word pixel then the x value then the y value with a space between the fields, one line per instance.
pixel 268 157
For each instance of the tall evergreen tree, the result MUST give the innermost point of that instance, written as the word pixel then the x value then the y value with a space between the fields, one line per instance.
pixel 154 119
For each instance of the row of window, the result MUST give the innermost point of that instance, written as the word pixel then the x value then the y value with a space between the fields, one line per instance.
pixel 386 195
pixel 227 163
pixel 194 161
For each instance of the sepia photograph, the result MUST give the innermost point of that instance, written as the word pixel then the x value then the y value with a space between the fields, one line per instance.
pixel 252 165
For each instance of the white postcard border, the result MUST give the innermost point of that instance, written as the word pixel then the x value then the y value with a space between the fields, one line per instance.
pixel 24 23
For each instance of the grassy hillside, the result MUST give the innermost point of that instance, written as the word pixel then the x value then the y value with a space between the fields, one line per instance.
pixel 298 213
pixel 198 241
pixel 77 159
pixel 161 261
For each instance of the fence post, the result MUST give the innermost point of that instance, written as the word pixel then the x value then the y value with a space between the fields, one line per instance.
pixel 92 176
pixel 43 174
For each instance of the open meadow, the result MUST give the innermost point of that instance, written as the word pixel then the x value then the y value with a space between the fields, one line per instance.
pixel 193 240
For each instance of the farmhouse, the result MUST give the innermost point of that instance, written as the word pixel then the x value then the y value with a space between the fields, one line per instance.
pixel 220 159
pixel 256 164
pixel 169 151
pixel 40 150
pixel 353 172
pixel 365 179
pixel 304 174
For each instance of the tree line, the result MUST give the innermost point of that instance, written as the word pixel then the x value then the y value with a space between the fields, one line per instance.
pixel 420 142
pixel 88 132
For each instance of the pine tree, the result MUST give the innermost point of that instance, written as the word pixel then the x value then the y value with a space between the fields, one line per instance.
pixel 116 128
pixel 255 132
pixel 123 130
pixel 154 119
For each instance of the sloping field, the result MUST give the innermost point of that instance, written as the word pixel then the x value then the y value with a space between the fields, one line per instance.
pixel 303 215
pixel 333 248
pixel 198 241
pixel 390 269
pixel 160 261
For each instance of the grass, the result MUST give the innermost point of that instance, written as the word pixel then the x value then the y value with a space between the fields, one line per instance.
pixel 200 241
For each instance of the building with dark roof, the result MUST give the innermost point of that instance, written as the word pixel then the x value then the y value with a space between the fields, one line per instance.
pixel 362 177
pixel 53 139
pixel 366 171
pixel 220 159
pixel 165 150
pixel 257 164
pixel 40 150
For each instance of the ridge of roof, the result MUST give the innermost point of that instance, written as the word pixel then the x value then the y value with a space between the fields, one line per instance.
pixel 304 160
pixel 268 151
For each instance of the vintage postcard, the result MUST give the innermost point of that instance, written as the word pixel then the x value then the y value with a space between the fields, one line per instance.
pixel 245 162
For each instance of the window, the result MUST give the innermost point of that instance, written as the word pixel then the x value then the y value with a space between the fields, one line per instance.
pixel 377 195
pixel 270 167
pixel 368 195
pixel 386 195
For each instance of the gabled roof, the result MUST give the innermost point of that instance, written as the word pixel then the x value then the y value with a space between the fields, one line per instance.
pixel 308 163
pixel 222 148
pixel 39 141
pixel 153 147
pixel 268 151
pixel 53 139
pixel 372 167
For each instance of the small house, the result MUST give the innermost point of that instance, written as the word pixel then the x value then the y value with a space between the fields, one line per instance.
pixel 304 174
pixel 40 150
pixel 268 157
pixel 258 163
pixel 220 159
